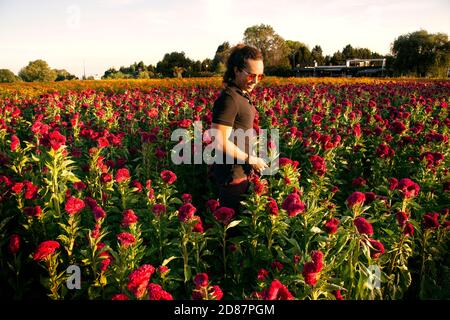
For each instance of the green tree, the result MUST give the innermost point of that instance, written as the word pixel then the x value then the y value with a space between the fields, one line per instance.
pixel 63 74
pixel 348 53
pixel 337 59
pixel 8 76
pixel 170 61
pixel 220 58
pixel 37 70
pixel 207 65
pixel 317 55
pixel 299 54
pixel 273 47
pixel 422 54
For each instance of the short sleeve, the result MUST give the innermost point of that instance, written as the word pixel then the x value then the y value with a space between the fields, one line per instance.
pixel 224 110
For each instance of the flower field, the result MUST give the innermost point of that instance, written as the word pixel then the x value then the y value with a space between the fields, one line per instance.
pixel 358 210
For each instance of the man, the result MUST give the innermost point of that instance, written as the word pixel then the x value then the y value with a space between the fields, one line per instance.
pixel 233 110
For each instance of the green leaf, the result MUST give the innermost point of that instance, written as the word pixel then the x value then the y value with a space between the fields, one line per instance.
pixel 166 261
pixel 233 224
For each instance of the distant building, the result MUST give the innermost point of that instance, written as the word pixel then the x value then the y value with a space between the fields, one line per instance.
pixel 352 68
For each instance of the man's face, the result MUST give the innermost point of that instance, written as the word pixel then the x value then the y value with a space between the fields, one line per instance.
pixel 250 75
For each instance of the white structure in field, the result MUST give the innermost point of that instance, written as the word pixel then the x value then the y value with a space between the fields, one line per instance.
pixel 366 63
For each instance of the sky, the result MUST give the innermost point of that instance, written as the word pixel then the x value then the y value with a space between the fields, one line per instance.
pixel 94 35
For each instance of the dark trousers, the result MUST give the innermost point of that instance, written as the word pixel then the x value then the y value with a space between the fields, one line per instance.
pixel 231 183
pixel 232 193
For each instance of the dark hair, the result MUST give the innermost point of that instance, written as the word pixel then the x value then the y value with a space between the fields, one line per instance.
pixel 238 55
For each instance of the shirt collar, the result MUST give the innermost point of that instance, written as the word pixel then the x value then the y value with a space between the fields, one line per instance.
pixel 239 90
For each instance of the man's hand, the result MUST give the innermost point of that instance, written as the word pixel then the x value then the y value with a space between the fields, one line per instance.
pixel 259 164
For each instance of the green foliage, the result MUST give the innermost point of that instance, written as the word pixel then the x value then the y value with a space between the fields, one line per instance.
pixel 64 75
pixel 8 76
pixel 272 46
pixel 422 54
pixel 37 70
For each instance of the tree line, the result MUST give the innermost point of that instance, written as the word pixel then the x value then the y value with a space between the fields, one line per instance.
pixel 419 54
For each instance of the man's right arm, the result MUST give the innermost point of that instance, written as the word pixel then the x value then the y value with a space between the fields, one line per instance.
pixel 229 148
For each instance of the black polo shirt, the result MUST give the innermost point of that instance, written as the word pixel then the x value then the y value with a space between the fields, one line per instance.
pixel 233 108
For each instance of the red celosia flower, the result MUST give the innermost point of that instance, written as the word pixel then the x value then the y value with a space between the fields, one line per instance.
pixel 402 217
pixel 317 258
pixel 159 209
pixel 213 292
pixel 126 239
pixel 363 226
pixel 198 227
pixel 318 165
pixel 96 231
pixel 102 142
pixel 14 243
pixel 91 202
pixel 335 189
pixel 106 257
pixel 331 226
pixel 162 270
pixel 168 176
pixel 136 184
pixel 186 212
pixel 309 273
pixel 393 183
pixel 356 199
pixel 224 215
pixel 15 143
pixel 120 296
pixel 122 175
pixel 377 248
pixel 212 204
pixel 277 291
pixel 408 230
pixel 312 269
pixel 338 295
pixel 370 197
pixel 74 205
pixel 31 190
pixel 262 274
pixel 359 182
pixel 187 198
pixel 129 218
pixel 105 177
pixel 431 220
pixel 201 280
pixel 284 161
pixel 32 211
pixel 259 187
pixel 45 249
pixel 293 205
pixel 385 151
pixel 99 213
pixel 156 292
pixel 17 187
pixel 139 278
pixel 277 266
pixel 56 140
pixel 80 185
pixel 356 130
pixel 272 206
pixel 216 293
pixel 409 188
